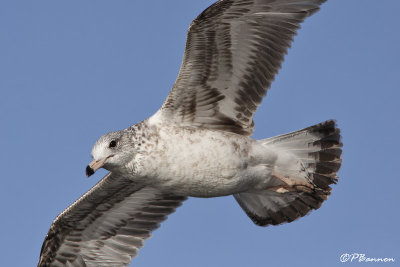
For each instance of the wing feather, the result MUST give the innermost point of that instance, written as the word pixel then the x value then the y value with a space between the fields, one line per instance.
pixel 107 225
pixel 233 51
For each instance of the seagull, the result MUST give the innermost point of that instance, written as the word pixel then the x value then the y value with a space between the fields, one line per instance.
pixel 198 143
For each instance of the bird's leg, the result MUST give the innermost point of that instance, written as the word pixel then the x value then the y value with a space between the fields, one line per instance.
pixel 291 184
pixel 281 189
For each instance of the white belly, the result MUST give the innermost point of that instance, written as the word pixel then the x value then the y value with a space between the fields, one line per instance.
pixel 201 163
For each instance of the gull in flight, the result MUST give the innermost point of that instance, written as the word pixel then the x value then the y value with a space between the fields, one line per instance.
pixel 198 143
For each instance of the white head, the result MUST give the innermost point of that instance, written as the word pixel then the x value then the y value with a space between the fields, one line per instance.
pixel 112 152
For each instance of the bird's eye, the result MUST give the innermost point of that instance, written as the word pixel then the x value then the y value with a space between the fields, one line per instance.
pixel 112 144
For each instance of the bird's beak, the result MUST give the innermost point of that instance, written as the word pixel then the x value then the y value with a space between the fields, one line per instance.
pixel 94 166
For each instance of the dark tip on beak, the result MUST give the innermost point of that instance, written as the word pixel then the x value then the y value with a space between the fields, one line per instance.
pixel 89 171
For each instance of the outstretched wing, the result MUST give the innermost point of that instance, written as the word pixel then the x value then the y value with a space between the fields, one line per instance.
pixel 233 51
pixel 107 225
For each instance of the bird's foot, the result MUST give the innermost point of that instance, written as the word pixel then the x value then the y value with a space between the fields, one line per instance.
pixel 291 185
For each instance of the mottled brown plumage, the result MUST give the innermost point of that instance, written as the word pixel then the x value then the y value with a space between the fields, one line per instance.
pixel 198 143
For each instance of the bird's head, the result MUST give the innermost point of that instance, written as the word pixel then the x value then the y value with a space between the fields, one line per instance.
pixel 111 152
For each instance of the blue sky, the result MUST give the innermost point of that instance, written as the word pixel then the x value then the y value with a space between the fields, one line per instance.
pixel 71 71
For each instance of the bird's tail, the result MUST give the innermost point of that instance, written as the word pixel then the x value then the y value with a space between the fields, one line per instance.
pixel 317 151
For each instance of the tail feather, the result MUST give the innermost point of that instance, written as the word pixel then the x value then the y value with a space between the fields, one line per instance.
pixel 318 150
pixel 318 147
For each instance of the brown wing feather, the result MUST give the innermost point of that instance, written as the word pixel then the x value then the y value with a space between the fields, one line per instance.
pixel 106 225
pixel 233 51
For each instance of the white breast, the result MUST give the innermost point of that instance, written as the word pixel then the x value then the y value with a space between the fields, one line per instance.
pixel 200 163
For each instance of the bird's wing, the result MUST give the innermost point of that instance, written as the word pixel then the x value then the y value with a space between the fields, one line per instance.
pixel 107 225
pixel 233 51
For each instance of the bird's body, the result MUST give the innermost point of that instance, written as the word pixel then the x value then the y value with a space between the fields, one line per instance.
pixel 198 144
pixel 198 163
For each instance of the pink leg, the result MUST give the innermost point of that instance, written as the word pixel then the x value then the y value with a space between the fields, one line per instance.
pixel 291 184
